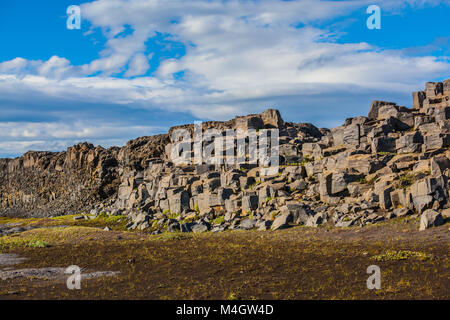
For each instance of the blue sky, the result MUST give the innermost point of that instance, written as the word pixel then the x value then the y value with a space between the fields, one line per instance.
pixel 137 67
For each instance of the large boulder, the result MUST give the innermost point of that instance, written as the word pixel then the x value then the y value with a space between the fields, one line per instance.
pixel 247 224
pixel 178 200
pixel 409 143
pixel 200 227
pixel 436 140
pixel 204 202
pixel 383 144
pixel 211 185
pixel 418 99
pixel 375 107
pixel 173 226
pixel 249 122
pixel 351 135
pixel 282 221
pixel 384 197
pixel 363 163
pixel 298 211
pixel 430 218
pixel 438 165
pixel 140 218
pixel 249 203
pixel 434 89
pixel 272 118
pixel 424 192
pixel 315 221
pixel 233 204
pixel 313 150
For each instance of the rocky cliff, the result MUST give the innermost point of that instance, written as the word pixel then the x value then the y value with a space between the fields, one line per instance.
pixel 393 162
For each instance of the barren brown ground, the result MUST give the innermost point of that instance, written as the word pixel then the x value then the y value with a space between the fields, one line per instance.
pixel 297 263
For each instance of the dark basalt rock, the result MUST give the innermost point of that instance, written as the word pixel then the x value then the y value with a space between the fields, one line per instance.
pixel 361 172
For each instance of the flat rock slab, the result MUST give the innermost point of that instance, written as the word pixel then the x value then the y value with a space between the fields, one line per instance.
pixel 7 259
pixel 50 274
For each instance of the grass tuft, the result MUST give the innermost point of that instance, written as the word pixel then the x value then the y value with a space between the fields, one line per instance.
pixel 10 243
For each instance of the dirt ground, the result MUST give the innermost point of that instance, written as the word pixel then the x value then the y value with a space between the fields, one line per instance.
pixel 296 263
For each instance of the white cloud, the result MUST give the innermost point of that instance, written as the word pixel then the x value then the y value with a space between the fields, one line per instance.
pixel 245 55
pixel 13 66
pixel 138 66
pixel 19 137
pixel 66 130
pixel 55 67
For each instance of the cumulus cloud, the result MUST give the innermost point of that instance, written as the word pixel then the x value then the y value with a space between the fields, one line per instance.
pixel 14 66
pixel 138 66
pixel 19 137
pixel 241 56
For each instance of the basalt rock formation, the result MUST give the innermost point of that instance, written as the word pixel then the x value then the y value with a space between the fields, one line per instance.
pixel 394 162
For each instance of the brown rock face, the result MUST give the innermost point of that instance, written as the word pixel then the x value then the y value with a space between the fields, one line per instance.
pixel 46 183
pixel 390 163
pixel 272 117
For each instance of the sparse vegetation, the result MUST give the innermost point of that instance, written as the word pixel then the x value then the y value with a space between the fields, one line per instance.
pixel 173 236
pixel 248 258
pixel 251 186
pixel 13 242
pixel 362 181
pixel 306 159
pixel 370 181
pixel 392 255
pixel 233 296
pixel 293 164
pixel 406 180
pixel 219 220
pixel 173 215
pixel 386 153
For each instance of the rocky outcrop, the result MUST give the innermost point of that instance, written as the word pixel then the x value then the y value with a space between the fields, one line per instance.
pixel 392 163
pixel 45 183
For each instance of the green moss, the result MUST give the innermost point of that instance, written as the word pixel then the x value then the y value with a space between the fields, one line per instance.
pixel 11 242
pixel 254 184
pixel 65 217
pixel 306 159
pixel 219 220
pixel 365 181
pixel 173 215
pixel 173 236
pixel 38 244
pixel 362 180
pixel 233 296
pixel 392 255
pixel 406 180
